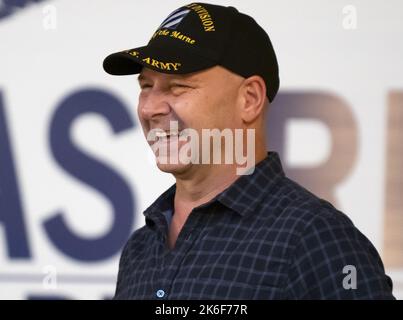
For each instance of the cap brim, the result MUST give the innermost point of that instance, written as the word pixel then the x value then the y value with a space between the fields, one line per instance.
pixel 165 60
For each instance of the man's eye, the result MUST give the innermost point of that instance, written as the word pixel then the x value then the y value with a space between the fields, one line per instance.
pixel 145 86
pixel 180 86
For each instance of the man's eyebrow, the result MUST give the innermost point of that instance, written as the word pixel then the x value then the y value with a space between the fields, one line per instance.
pixel 141 78
pixel 188 77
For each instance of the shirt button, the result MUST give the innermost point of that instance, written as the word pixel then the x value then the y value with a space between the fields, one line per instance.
pixel 160 293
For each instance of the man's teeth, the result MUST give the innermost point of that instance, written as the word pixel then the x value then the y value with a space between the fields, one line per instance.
pixel 163 134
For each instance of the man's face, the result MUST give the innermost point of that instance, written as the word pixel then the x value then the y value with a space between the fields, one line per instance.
pixel 201 100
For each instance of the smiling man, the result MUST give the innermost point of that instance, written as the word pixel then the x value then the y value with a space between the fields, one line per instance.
pixel 220 232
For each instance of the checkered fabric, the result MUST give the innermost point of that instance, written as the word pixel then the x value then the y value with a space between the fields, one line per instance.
pixel 264 237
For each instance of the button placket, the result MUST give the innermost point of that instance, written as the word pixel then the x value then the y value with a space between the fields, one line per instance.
pixel 172 259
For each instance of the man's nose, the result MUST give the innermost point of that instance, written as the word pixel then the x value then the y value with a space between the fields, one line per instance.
pixel 154 106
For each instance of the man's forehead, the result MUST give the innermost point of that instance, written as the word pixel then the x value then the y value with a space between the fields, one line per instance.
pixel 147 73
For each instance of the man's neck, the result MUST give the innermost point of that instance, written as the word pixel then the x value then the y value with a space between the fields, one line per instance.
pixel 204 185
pixel 197 188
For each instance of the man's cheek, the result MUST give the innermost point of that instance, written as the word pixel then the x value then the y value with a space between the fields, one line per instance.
pixel 145 128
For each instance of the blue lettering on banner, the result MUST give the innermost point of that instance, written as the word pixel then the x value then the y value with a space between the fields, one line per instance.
pixel 9 7
pixel 11 212
pixel 92 172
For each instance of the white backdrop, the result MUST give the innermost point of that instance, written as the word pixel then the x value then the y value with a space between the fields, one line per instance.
pixel 53 50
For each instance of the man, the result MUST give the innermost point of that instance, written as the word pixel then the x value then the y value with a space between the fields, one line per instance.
pixel 221 232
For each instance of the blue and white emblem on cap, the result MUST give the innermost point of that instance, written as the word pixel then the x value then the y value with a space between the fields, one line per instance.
pixel 172 21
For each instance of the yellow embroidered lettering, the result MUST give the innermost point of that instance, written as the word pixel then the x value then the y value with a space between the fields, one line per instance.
pixel 163 32
pixel 155 63
pixel 165 66
pixel 207 23
pixel 204 16
pixel 162 65
pixel 180 36
pixel 133 53
pixel 176 65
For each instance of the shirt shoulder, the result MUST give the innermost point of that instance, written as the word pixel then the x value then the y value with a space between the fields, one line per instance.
pixel 291 208
pixel 135 243
pixel 328 256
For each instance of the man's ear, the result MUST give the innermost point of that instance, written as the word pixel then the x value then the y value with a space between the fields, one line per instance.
pixel 254 98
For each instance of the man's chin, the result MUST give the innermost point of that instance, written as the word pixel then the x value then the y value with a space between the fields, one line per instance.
pixel 173 168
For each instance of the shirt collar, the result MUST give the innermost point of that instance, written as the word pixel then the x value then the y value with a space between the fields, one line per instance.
pixel 248 190
pixel 242 196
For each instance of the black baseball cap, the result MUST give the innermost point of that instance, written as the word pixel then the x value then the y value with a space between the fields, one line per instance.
pixel 198 36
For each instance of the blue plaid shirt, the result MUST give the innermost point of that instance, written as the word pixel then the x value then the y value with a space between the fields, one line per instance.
pixel 264 237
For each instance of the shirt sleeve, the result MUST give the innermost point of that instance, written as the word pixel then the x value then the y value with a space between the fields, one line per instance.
pixel 121 291
pixel 334 260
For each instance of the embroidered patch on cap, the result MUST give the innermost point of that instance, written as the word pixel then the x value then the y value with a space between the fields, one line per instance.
pixel 173 20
